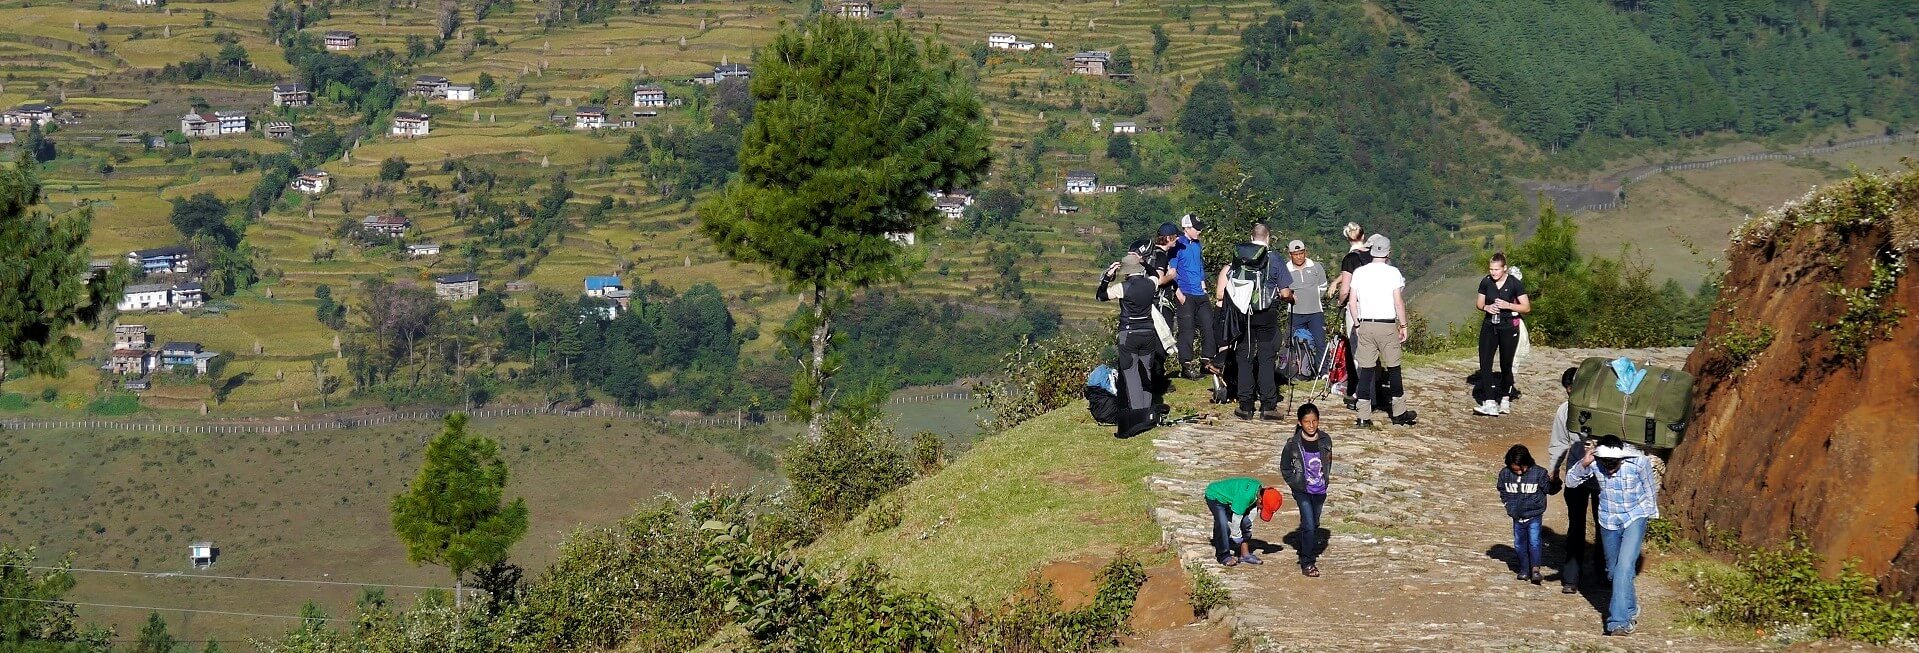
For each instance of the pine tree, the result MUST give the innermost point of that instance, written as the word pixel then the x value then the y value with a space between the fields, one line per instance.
pixel 452 515
pixel 852 126
pixel 45 282
pixel 154 637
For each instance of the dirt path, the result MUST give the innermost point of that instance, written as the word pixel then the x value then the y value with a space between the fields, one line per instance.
pixel 1419 552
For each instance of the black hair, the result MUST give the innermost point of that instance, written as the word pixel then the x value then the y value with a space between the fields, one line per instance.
pixel 1519 455
pixel 1610 440
pixel 1566 378
pixel 1500 258
pixel 1307 408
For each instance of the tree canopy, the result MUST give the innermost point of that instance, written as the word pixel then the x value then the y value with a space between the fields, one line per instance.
pixel 47 283
pixel 452 515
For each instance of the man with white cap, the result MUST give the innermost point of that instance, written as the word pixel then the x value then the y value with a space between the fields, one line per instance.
pixel 1309 286
pixel 1378 306
pixel 1628 499
pixel 1140 353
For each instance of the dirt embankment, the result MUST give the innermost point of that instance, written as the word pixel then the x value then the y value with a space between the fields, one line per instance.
pixel 1792 437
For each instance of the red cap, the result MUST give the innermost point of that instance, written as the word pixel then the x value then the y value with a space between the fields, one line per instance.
pixel 1269 503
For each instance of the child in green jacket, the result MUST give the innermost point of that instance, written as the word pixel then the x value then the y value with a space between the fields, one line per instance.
pixel 1231 501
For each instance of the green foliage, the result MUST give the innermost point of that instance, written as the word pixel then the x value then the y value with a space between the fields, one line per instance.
pixel 154 637
pixel 1662 534
pixel 13 401
pixel 815 208
pixel 1599 302
pixel 45 283
pixel 1869 314
pixel 1741 343
pixel 203 214
pixel 929 452
pixel 1039 377
pixel 1034 621
pixel 1782 589
pixel 452 513
pixel 900 340
pixel 855 462
pixel 1208 593
pixel 884 515
pixel 1208 112
pixel 1666 68
pixel 114 405
pixel 394 168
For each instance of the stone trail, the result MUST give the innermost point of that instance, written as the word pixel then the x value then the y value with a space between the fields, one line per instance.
pixel 1419 553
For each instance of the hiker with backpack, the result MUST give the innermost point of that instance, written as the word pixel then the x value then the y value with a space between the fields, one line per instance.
pixel 1358 253
pixel 1306 462
pixel 1502 297
pixel 1309 286
pixel 1378 305
pixel 1523 487
pixel 1195 312
pixel 1254 286
pixel 1565 448
pixel 1141 354
pixel 1231 502
pixel 1628 499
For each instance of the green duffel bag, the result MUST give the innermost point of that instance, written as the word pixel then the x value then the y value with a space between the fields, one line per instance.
pixel 1654 416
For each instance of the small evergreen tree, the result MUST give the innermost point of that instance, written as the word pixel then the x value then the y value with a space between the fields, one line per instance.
pixel 452 515
pixel 45 283
pixel 154 637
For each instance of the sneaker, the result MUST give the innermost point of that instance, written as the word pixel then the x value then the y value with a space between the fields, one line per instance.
pixel 1310 571
pixel 1568 589
pixel 1251 559
pixel 1352 404
pixel 1488 408
pixel 1621 631
pixel 1272 415
pixel 1522 576
pixel 1362 423
pixel 1243 413
pixel 1536 578
pixel 1505 405
pixel 1189 369
pixel 1407 418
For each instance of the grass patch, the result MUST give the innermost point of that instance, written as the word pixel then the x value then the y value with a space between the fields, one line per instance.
pixel 1055 487
pixel 114 405
pixel 13 401
pixel 1779 594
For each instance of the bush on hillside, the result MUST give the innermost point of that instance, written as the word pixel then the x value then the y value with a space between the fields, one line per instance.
pixel 1782 590
pixel 1040 377
pixel 856 461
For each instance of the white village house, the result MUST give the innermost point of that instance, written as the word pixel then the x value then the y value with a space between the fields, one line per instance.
pixel 231 122
pixel 278 129
pixel 291 95
pixel 856 8
pixel 341 40
pixel 649 96
pixel 27 115
pixel 391 225
pixel 589 117
pixel 1091 62
pixel 1125 127
pixel 410 124
pixel 1001 40
pixel 423 249
pixel 430 86
pixel 459 93
pixel 145 296
pixel 194 125
pixel 1081 182
pixel 312 182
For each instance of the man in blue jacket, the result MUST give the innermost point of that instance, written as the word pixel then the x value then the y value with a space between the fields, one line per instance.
pixel 1195 311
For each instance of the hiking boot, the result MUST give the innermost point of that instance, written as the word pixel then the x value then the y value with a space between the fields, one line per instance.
pixel 1488 408
pixel 1189 370
pixel 1251 559
pixel 1272 415
pixel 1505 405
pixel 1352 403
pixel 1536 578
pixel 1362 423
pixel 1407 418
pixel 1243 413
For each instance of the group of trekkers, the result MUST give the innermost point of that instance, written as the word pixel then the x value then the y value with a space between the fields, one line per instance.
pixel 1234 329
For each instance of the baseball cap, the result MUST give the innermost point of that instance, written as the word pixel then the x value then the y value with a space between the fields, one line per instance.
pixel 1296 246
pixel 1269 502
pixel 1129 265
pixel 1189 222
pixel 1616 453
pixel 1168 229
pixel 1379 246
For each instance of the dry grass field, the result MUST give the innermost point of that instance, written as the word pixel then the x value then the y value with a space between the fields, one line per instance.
pixel 315 506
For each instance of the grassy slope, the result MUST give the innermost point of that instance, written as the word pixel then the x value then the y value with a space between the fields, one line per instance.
pixel 1056 487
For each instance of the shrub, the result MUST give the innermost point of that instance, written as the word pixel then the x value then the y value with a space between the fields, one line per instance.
pixel 1661 534
pixel 929 452
pixel 114 405
pixel 1868 314
pixel 1781 589
pixel 1741 343
pixel 856 460
pixel 13 401
pixel 50 395
pixel 1040 377
pixel 1034 620
pixel 884 515
pixel 1208 593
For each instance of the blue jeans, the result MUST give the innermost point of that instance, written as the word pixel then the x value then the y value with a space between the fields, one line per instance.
pixel 1310 506
pixel 1622 563
pixel 1314 323
pixel 1526 542
pixel 1223 542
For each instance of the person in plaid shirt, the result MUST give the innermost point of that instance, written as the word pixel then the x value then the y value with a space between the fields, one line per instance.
pixel 1628 496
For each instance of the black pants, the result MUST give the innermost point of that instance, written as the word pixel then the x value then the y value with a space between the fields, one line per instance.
pixel 1503 340
pixel 1381 388
pixel 1352 372
pixel 1257 351
pixel 1141 360
pixel 1196 315
pixel 1582 507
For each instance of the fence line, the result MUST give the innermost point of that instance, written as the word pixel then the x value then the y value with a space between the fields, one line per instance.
pixel 737 420
pixel 1606 195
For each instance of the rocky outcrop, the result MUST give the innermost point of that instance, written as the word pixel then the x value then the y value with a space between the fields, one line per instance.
pixel 1806 407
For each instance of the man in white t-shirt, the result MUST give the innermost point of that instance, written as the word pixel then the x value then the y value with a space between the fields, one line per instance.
pixel 1378 306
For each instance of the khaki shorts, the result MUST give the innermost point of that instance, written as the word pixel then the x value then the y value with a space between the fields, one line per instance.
pixel 1376 343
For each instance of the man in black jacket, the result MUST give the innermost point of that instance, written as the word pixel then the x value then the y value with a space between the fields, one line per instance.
pixel 1141 354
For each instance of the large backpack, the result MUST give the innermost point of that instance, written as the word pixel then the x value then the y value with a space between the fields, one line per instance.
pixel 1102 395
pixel 1653 415
pixel 1247 280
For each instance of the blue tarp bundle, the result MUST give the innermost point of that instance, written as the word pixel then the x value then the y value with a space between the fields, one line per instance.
pixel 1629 375
pixel 1102 378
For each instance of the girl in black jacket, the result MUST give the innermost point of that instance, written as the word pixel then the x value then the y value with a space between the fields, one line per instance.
pixel 1141 355
pixel 1307 465
pixel 1522 487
